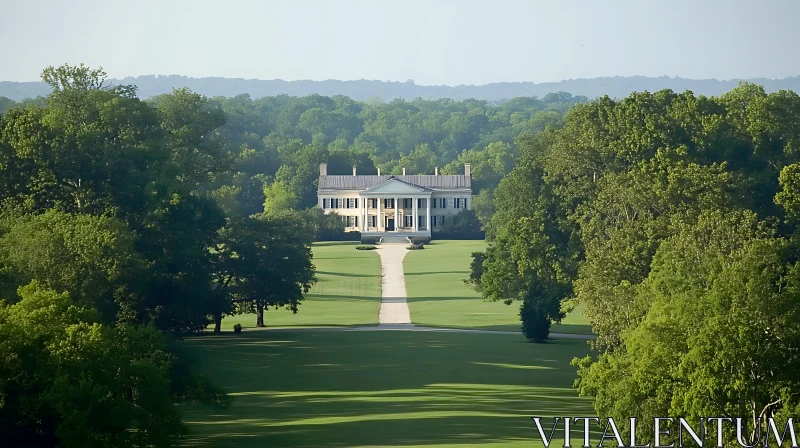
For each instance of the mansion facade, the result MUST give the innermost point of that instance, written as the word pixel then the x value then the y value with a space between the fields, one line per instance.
pixel 407 205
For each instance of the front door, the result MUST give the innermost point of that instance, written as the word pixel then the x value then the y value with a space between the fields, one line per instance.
pixel 389 224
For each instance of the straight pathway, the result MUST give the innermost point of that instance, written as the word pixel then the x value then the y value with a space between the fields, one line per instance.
pixel 394 306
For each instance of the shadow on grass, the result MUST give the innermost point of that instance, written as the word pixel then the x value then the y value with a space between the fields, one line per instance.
pixel 348 274
pixel 337 298
pixel 437 272
pixel 337 389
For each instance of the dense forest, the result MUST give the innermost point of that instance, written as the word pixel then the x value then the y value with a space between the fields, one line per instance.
pixel 280 141
pixel 364 90
pixel 672 221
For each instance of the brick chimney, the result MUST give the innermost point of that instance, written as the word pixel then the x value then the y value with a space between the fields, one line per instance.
pixel 436 171
pixel 467 169
pixel 354 170
pixel 323 169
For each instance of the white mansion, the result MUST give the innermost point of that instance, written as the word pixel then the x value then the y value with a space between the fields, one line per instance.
pixel 394 205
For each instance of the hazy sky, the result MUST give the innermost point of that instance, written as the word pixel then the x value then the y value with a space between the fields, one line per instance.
pixel 432 42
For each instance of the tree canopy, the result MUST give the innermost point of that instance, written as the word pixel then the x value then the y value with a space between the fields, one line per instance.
pixel 672 220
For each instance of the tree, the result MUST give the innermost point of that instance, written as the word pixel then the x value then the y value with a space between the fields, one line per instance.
pixel 6 104
pixel 263 262
pixel 69 380
pixel 530 256
pixel 90 150
pixel 483 206
pixel 279 198
pixel 188 120
pixel 720 290
pixel 789 196
pixel 91 258
pixel 465 222
pixel 175 238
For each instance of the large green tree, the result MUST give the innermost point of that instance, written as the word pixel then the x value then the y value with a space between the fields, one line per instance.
pixel 68 380
pixel 721 308
pixel 264 262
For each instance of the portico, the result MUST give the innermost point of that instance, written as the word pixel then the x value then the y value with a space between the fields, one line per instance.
pixel 396 206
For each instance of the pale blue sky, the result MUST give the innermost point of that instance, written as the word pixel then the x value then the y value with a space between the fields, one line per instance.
pixel 432 42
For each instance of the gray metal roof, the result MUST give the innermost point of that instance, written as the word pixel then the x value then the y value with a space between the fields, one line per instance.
pixel 433 182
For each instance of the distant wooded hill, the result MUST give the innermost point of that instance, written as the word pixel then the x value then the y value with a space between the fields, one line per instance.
pixel 617 86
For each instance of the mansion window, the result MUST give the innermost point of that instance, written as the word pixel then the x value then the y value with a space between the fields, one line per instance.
pixel 421 222
pixel 372 220
pixel 408 203
pixel 351 221
pixel 438 220
pixel 372 203
pixel 332 203
pixel 408 221
pixel 439 202
pixel 388 203
pixel 459 202
pixel 345 203
pixel 421 203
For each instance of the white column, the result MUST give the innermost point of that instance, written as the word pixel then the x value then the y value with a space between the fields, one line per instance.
pixel 428 215
pixel 379 219
pixel 415 210
pixel 364 212
pixel 396 214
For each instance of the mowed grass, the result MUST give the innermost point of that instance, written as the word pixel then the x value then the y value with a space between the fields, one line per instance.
pixel 347 292
pixel 381 388
pixel 438 297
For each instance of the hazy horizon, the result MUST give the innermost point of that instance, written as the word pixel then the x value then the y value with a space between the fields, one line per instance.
pixel 446 42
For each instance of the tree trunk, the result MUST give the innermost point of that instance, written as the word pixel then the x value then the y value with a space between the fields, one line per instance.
pixel 217 323
pixel 260 313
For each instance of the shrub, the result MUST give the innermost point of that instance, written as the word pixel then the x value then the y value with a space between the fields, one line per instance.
pixel 535 323
pixel 237 328
pixel 367 247
pixel 416 247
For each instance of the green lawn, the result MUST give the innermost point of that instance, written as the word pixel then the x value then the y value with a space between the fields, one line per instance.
pixel 381 388
pixel 438 296
pixel 348 291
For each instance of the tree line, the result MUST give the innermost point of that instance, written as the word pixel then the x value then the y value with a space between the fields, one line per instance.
pixel 672 220
pixel 363 89
pixel 283 140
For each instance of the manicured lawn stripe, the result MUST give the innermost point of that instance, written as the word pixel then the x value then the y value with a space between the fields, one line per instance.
pixel 347 292
pixel 385 388
pixel 438 297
